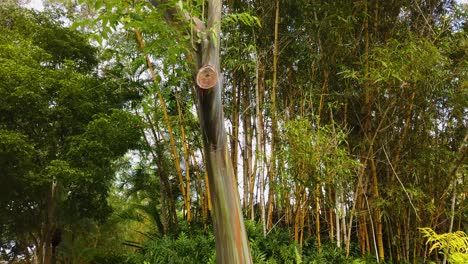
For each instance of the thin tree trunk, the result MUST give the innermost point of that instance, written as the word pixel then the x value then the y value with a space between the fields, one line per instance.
pixel 367 110
pixel 303 215
pixel 372 230
pixel 235 127
pixel 186 158
pixel 317 217
pixel 272 167
pixel 259 108
pixel 309 220
pixel 251 193
pixel 337 218
pixel 343 217
pixel 50 224
pixel 200 190
pixel 297 212
pixel 407 236
pixel 168 213
pixel 362 225
pixel 377 213
pixel 399 252
pixel 162 182
pixel 173 221
pixel 248 136
pixel 331 220
pixel 247 151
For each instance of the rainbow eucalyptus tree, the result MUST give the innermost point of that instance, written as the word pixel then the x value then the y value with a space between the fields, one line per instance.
pixel 230 235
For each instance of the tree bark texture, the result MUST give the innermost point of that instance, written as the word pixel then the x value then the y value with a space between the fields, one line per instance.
pixel 230 235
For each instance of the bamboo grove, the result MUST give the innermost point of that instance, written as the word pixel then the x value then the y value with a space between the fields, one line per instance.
pixel 346 120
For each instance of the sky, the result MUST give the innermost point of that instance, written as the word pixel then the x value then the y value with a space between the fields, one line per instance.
pixel 37 4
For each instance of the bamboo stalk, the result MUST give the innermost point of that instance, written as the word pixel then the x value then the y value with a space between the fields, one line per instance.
pixel 260 141
pixel 272 167
pixel 317 217
pixel 302 218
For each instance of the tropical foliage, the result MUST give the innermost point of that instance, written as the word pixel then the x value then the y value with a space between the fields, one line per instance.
pixel 452 245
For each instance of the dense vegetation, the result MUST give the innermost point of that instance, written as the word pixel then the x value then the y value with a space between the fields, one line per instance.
pixel 346 124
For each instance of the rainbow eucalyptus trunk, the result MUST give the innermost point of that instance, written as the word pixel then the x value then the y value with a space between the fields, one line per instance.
pixel 230 235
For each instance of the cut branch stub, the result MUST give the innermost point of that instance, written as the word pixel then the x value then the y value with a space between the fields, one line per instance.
pixel 207 77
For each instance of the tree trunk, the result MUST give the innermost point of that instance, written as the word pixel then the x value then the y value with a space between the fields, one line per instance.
pixel 377 212
pixel 46 250
pixel 162 181
pixel 337 220
pixel 343 217
pixel 259 149
pixel 304 211
pixel 186 159
pixel 272 168
pixel 202 203
pixel 235 125
pixel 297 211
pixel 317 217
pixel 248 135
pixel 230 235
